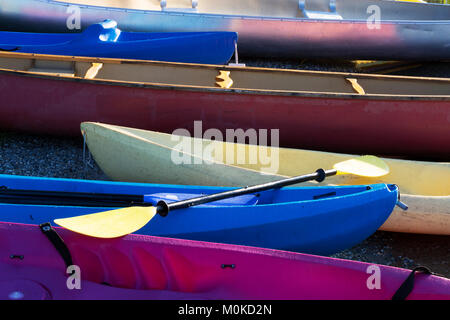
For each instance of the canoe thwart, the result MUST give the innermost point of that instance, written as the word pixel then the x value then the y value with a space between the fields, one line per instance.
pixel 223 80
pixel 332 14
pixel 194 3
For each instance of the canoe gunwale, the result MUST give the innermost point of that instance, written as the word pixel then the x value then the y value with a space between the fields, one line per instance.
pixel 213 90
pixel 51 57
pixel 242 17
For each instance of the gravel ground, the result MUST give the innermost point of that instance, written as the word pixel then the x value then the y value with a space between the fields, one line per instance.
pixel 30 155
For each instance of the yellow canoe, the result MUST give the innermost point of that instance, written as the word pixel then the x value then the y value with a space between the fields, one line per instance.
pixel 127 154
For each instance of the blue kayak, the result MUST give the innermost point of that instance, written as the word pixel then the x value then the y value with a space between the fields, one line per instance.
pixel 317 220
pixel 107 41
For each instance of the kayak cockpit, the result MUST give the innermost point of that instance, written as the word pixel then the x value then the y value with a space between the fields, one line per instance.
pixel 245 200
pixel 263 198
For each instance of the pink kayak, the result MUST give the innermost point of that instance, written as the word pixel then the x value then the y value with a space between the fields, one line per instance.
pixel 34 261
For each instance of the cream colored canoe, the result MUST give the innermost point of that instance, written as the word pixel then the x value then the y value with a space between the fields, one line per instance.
pixel 127 154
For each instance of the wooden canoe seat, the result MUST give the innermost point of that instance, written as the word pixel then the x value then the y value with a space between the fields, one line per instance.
pixel 320 15
pixel 194 4
pixel 53 68
pixel 54 72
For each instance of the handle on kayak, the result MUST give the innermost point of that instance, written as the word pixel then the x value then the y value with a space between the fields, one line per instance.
pixel 194 4
pixel 10 50
pixel 331 15
pixel 401 205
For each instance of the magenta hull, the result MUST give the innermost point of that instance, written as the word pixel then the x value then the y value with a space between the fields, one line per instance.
pixel 407 127
pixel 144 267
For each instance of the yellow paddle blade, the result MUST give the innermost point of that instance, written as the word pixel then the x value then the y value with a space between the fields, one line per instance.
pixel 109 224
pixel 366 166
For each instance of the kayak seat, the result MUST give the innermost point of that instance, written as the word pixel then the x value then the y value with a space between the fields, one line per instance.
pixel 245 200
pixel 331 15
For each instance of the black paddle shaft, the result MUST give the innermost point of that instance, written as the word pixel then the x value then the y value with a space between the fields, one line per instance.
pixel 163 207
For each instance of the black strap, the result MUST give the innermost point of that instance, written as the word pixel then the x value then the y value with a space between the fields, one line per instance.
pixel 57 242
pixel 408 285
pixel 10 50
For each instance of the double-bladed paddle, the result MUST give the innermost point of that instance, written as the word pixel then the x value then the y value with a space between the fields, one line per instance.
pixel 120 222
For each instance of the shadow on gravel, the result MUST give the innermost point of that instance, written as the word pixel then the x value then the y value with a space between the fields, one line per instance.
pixel 45 156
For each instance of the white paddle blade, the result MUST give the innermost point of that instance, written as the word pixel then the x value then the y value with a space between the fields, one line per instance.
pixel 109 224
pixel 366 166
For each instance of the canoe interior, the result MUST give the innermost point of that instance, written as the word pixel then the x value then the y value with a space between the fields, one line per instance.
pixel 205 77
pixel 432 179
pixel 347 9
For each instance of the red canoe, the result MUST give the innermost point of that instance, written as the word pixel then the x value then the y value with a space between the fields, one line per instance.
pixel 390 115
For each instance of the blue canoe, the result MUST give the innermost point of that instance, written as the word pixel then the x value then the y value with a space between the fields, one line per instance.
pixel 318 220
pixel 107 41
